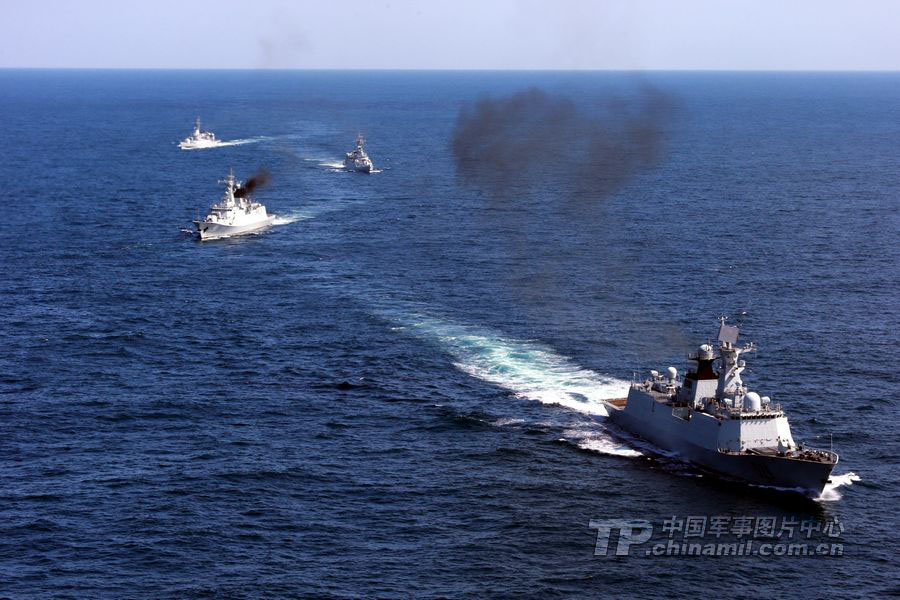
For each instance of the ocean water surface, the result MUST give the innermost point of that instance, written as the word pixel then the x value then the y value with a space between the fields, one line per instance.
pixel 397 390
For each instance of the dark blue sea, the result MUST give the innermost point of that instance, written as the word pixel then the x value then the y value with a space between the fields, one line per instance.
pixel 397 390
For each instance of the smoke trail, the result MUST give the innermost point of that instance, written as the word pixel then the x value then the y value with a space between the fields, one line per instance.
pixel 591 148
pixel 258 180
pixel 548 162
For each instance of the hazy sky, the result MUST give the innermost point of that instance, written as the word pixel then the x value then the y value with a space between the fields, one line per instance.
pixel 460 34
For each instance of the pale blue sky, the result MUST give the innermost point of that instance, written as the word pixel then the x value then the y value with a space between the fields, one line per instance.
pixel 462 34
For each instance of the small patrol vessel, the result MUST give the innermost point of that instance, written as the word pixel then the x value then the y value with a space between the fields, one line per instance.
pixel 236 213
pixel 358 160
pixel 198 138
pixel 710 418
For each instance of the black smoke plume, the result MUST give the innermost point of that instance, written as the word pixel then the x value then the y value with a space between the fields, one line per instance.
pixel 545 160
pixel 258 180
pixel 590 149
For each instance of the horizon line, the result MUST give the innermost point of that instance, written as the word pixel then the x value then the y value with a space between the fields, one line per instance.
pixel 453 70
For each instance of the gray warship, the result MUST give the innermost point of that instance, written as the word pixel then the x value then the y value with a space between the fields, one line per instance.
pixel 357 159
pixel 710 418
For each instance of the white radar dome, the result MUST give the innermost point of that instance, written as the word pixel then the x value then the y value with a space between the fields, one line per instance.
pixel 673 372
pixel 752 401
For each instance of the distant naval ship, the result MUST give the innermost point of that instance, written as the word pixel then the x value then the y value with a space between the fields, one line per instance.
pixel 236 213
pixel 198 138
pixel 710 418
pixel 358 160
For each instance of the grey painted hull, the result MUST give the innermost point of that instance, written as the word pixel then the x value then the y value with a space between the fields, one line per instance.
pixel 775 471
pixel 213 231
pixel 359 167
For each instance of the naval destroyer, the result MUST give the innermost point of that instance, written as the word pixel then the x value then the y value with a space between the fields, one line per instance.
pixel 710 418
pixel 358 160
pixel 199 139
pixel 236 213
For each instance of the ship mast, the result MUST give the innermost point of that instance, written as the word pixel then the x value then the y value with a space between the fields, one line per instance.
pixel 228 198
pixel 730 384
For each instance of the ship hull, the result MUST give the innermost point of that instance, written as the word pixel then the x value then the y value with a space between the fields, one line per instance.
pixel 212 231
pixel 198 145
pixel 808 477
pixel 359 168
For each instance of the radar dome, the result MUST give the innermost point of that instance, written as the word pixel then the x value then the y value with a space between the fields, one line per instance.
pixel 752 401
pixel 673 372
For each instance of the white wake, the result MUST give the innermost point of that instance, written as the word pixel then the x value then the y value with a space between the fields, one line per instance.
pixel 314 210
pixel 332 165
pixel 831 493
pixel 526 368
pixel 529 370
pixel 291 217
pixel 224 143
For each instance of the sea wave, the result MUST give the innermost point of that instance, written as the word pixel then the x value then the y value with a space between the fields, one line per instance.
pixel 831 493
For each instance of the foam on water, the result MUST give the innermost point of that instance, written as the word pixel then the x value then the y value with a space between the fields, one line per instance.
pixel 314 210
pixel 291 217
pixel 526 368
pixel 590 438
pixel 328 162
pixel 224 143
pixel 502 422
pixel 241 142
pixel 531 371
pixel 831 493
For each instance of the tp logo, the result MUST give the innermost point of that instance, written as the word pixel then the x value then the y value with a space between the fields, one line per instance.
pixel 630 532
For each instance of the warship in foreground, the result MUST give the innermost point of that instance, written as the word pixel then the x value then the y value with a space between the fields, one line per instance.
pixel 711 419
pixel 198 139
pixel 236 213
pixel 358 160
